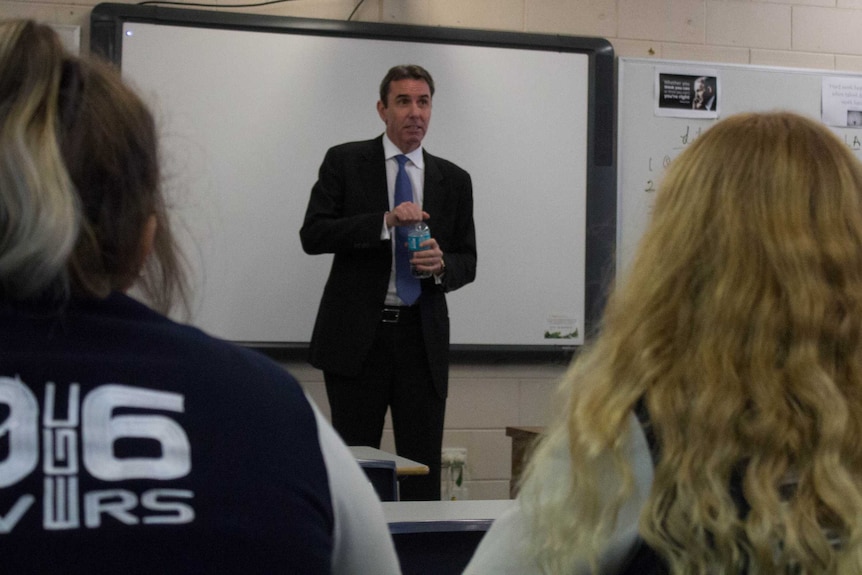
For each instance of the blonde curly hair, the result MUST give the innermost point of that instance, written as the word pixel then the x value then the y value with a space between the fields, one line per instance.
pixel 739 326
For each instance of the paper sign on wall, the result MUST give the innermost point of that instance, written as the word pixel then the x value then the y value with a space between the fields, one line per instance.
pixel 687 93
pixel 841 103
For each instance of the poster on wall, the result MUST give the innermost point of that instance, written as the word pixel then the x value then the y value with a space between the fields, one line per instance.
pixel 687 93
pixel 841 101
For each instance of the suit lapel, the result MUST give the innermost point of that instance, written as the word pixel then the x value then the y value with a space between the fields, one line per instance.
pixel 433 189
pixel 372 170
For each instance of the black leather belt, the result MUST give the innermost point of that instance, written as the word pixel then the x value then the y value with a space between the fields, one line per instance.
pixel 400 314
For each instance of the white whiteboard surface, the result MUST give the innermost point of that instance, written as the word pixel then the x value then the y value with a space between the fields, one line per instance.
pixel 247 115
pixel 648 142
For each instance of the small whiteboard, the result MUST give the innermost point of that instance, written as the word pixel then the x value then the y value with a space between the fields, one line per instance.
pixel 648 142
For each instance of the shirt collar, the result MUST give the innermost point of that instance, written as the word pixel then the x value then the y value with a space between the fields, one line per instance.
pixel 390 150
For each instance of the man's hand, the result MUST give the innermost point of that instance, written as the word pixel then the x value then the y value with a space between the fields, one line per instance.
pixel 429 259
pixel 405 214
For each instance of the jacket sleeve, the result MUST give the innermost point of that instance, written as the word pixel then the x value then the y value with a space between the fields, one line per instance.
pixel 460 258
pixel 449 203
pixel 339 216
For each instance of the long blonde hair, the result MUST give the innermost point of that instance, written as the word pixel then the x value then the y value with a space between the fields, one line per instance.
pixel 739 325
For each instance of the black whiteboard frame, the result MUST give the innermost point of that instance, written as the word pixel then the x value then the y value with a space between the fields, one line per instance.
pixel 106 40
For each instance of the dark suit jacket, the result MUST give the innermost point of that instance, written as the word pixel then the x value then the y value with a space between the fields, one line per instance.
pixel 345 218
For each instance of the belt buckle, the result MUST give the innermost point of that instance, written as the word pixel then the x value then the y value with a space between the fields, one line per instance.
pixel 390 315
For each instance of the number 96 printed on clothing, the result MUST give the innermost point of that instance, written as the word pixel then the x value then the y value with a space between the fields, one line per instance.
pixel 95 424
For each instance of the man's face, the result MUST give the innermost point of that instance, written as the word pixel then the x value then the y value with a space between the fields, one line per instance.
pixel 406 113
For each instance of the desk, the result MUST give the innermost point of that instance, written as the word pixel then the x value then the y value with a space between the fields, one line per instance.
pixel 439 537
pixel 403 466
pixel 431 516
pixel 523 439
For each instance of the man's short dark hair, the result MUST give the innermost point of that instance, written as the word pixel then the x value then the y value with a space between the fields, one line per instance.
pixel 404 72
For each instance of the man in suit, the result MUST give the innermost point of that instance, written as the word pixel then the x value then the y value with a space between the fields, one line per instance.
pixel 376 347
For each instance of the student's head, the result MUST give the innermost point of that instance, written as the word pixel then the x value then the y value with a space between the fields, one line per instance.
pixel 405 105
pixel 757 226
pixel 81 208
pixel 745 307
pixel 740 325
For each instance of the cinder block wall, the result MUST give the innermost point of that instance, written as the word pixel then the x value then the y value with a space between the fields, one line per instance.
pixel 485 398
pixel 820 34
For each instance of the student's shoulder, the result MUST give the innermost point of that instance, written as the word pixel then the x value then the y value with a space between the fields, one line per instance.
pixel 206 353
pixel 229 356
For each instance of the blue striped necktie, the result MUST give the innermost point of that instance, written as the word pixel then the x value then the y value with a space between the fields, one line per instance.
pixel 407 286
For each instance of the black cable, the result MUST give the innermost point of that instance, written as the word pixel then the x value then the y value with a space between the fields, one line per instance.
pixel 355 8
pixel 210 5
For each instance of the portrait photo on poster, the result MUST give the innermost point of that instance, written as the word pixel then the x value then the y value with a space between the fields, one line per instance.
pixel 687 93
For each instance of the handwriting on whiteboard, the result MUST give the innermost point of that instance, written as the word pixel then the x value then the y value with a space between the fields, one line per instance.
pixel 657 164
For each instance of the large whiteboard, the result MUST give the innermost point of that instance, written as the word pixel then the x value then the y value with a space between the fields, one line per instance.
pixel 248 105
pixel 648 142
